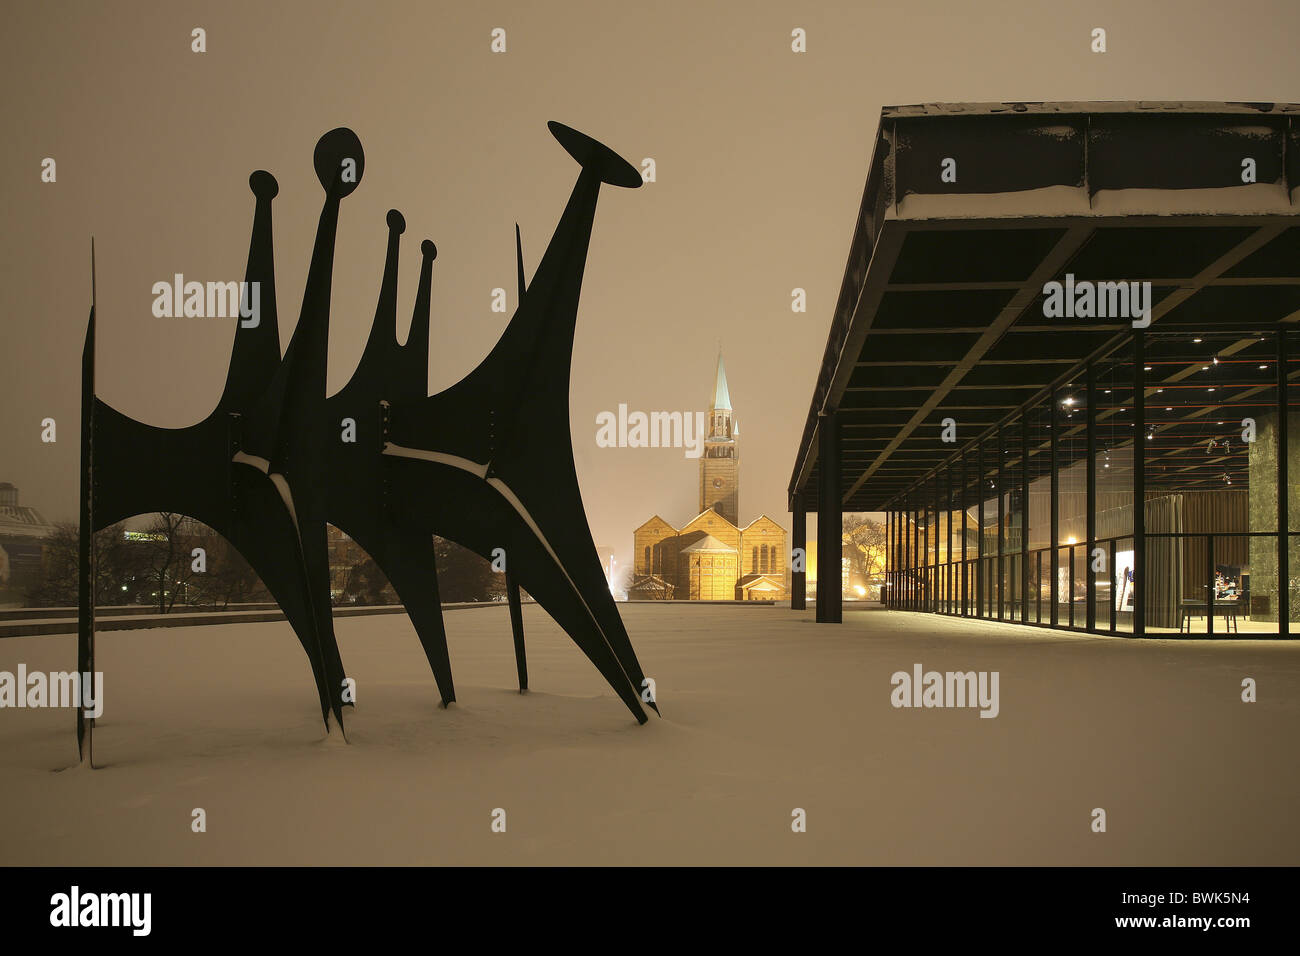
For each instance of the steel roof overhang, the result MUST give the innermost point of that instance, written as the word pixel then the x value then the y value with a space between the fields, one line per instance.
pixel 940 310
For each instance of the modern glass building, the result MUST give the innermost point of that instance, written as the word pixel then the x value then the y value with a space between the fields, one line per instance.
pixel 1064 362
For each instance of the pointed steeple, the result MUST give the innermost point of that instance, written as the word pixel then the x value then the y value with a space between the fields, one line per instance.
pixel 721 399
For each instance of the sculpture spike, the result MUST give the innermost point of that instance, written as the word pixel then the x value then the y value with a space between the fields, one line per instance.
pixel 519 262
pixel 255 354
pixel 412 380
pixel 382 344
pixel 86 528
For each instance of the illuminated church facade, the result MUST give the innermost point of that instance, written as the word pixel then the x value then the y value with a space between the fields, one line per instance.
pixel 712 558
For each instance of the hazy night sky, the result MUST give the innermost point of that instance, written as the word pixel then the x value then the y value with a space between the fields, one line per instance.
pixel 761 159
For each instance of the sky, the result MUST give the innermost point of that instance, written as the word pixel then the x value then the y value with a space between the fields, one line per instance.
pixel 760 155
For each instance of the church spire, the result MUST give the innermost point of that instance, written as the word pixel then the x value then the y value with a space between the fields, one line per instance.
pixel 721 399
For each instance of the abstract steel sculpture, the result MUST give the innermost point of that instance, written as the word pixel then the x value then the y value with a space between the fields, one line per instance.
pixel 487 463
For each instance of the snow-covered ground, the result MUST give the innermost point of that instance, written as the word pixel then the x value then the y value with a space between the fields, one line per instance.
pixel 764 712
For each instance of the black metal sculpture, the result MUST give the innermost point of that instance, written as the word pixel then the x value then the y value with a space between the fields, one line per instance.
pixel 487 463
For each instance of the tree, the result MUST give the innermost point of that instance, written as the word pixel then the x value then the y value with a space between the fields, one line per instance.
pixel 167 558
pixel 464 576
pixel 365 584
pixel 229 579
pixel 115 568
pixel 865 545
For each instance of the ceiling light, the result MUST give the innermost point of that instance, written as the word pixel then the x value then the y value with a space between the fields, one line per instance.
pixel 1263 366
pixel 1205 368
pixel 1146 368
pixel 1210 389
pixel 1196 340
pixel 1216 360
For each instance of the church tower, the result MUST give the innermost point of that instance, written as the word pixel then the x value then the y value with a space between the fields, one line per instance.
pixel 720 463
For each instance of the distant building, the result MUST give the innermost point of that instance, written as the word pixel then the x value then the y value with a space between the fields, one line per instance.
pixel 712 558
pixel 720 462
pixel 23 532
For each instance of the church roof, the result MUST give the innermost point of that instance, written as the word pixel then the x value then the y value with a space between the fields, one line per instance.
pixel 721 398
pixel 762 517
pixel 655 519
pixel 708 511
pixel 709 543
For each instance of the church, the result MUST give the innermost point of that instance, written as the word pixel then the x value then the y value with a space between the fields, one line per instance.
pixel 712 558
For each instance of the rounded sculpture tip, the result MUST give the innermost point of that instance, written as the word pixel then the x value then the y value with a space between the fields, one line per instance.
pixel 339 160
pixel 608 165
pixel 396 222
pixel 263 185
pixel 429 250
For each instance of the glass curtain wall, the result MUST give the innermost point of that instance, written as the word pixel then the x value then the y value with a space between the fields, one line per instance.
pixel 1030 522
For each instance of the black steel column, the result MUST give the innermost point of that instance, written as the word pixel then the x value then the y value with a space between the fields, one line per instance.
pixel 1002 542
pixel 1283 493
pixel 1139 486
pixel 889 556
pixel 924 506
pixel 965 587
pixel 1209 586
pixel 887 594
pixel 916 558
pixel 1055 532
pixel 934 597
pixel 799 579
pixel 1090 618
pixel 980 583
pixel 893 558
pixel 948 588
pixel 830 521
pixel 906 529
pixel 1024 519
